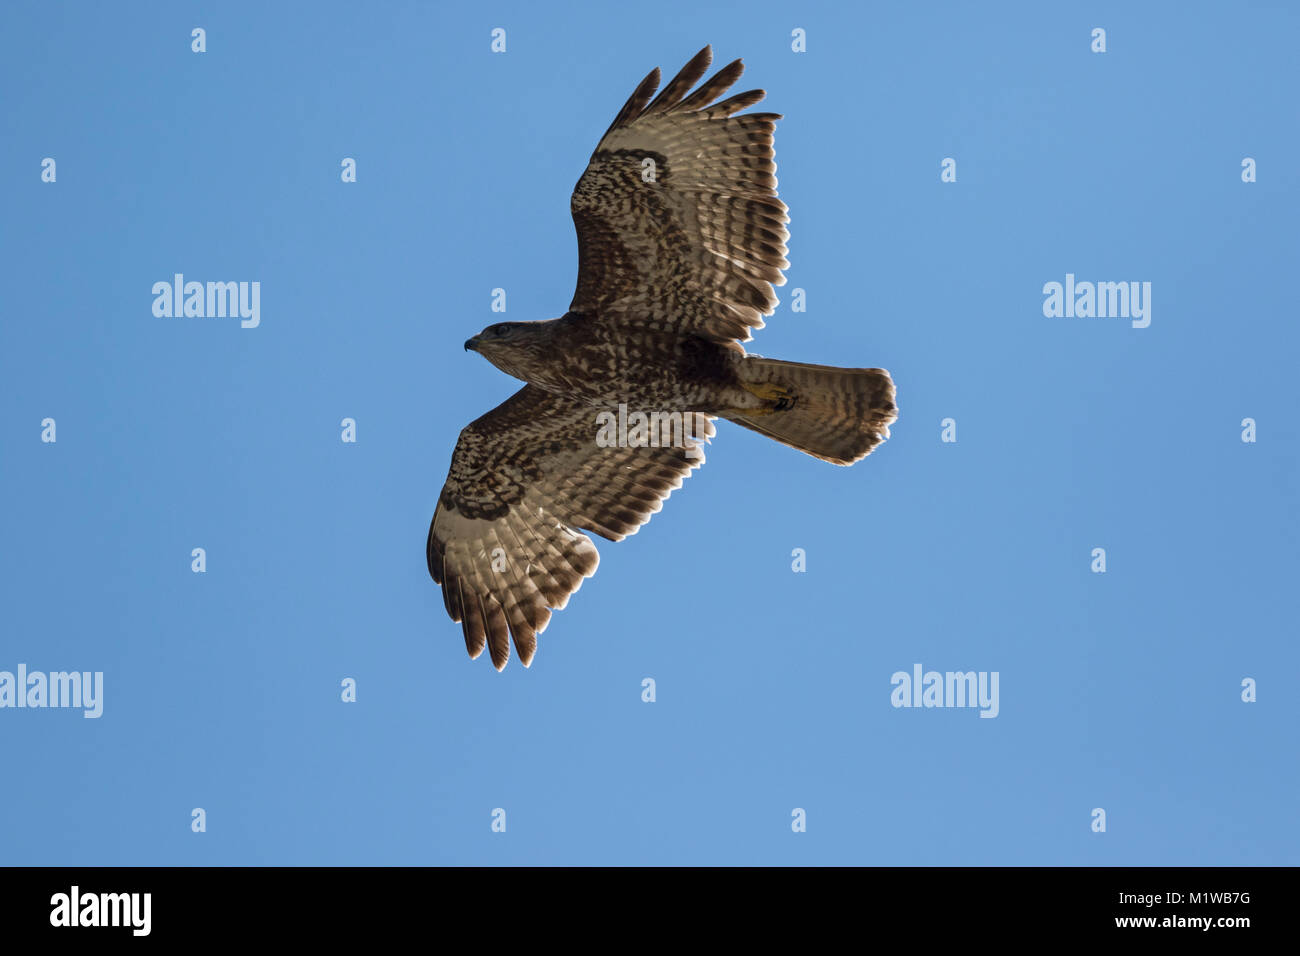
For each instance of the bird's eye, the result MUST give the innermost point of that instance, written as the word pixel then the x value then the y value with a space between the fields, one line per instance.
pixel 498 331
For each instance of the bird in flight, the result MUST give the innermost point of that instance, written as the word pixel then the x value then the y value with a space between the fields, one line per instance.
pixel 681 238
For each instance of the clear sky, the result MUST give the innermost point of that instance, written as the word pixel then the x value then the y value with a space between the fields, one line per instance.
pixel 222 690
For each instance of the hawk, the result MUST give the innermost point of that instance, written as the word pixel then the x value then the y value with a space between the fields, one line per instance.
pixel 681 238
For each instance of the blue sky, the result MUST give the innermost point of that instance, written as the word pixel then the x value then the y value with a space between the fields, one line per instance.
pixel 1118 690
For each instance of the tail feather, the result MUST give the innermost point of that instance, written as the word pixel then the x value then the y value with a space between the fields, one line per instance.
pixel 835 414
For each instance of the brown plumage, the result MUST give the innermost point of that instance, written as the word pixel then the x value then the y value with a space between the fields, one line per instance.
pixel 681 238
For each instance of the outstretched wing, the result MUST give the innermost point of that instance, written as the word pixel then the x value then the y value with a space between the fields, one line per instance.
pixel 678 222
pixel 526 479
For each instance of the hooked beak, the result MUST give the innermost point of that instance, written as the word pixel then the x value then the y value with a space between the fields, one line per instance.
pixel 471 345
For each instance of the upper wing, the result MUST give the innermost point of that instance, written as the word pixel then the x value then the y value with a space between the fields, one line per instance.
pixel 504 542
pixel 677 216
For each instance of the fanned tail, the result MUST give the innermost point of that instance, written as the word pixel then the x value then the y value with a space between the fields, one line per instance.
pixel 835 414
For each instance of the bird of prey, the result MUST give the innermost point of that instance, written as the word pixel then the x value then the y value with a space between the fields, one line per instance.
pixel 681 238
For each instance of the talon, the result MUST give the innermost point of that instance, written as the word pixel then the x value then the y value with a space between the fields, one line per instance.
pixel 782 398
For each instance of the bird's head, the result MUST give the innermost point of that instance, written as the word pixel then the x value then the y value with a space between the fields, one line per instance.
pixel 513 347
